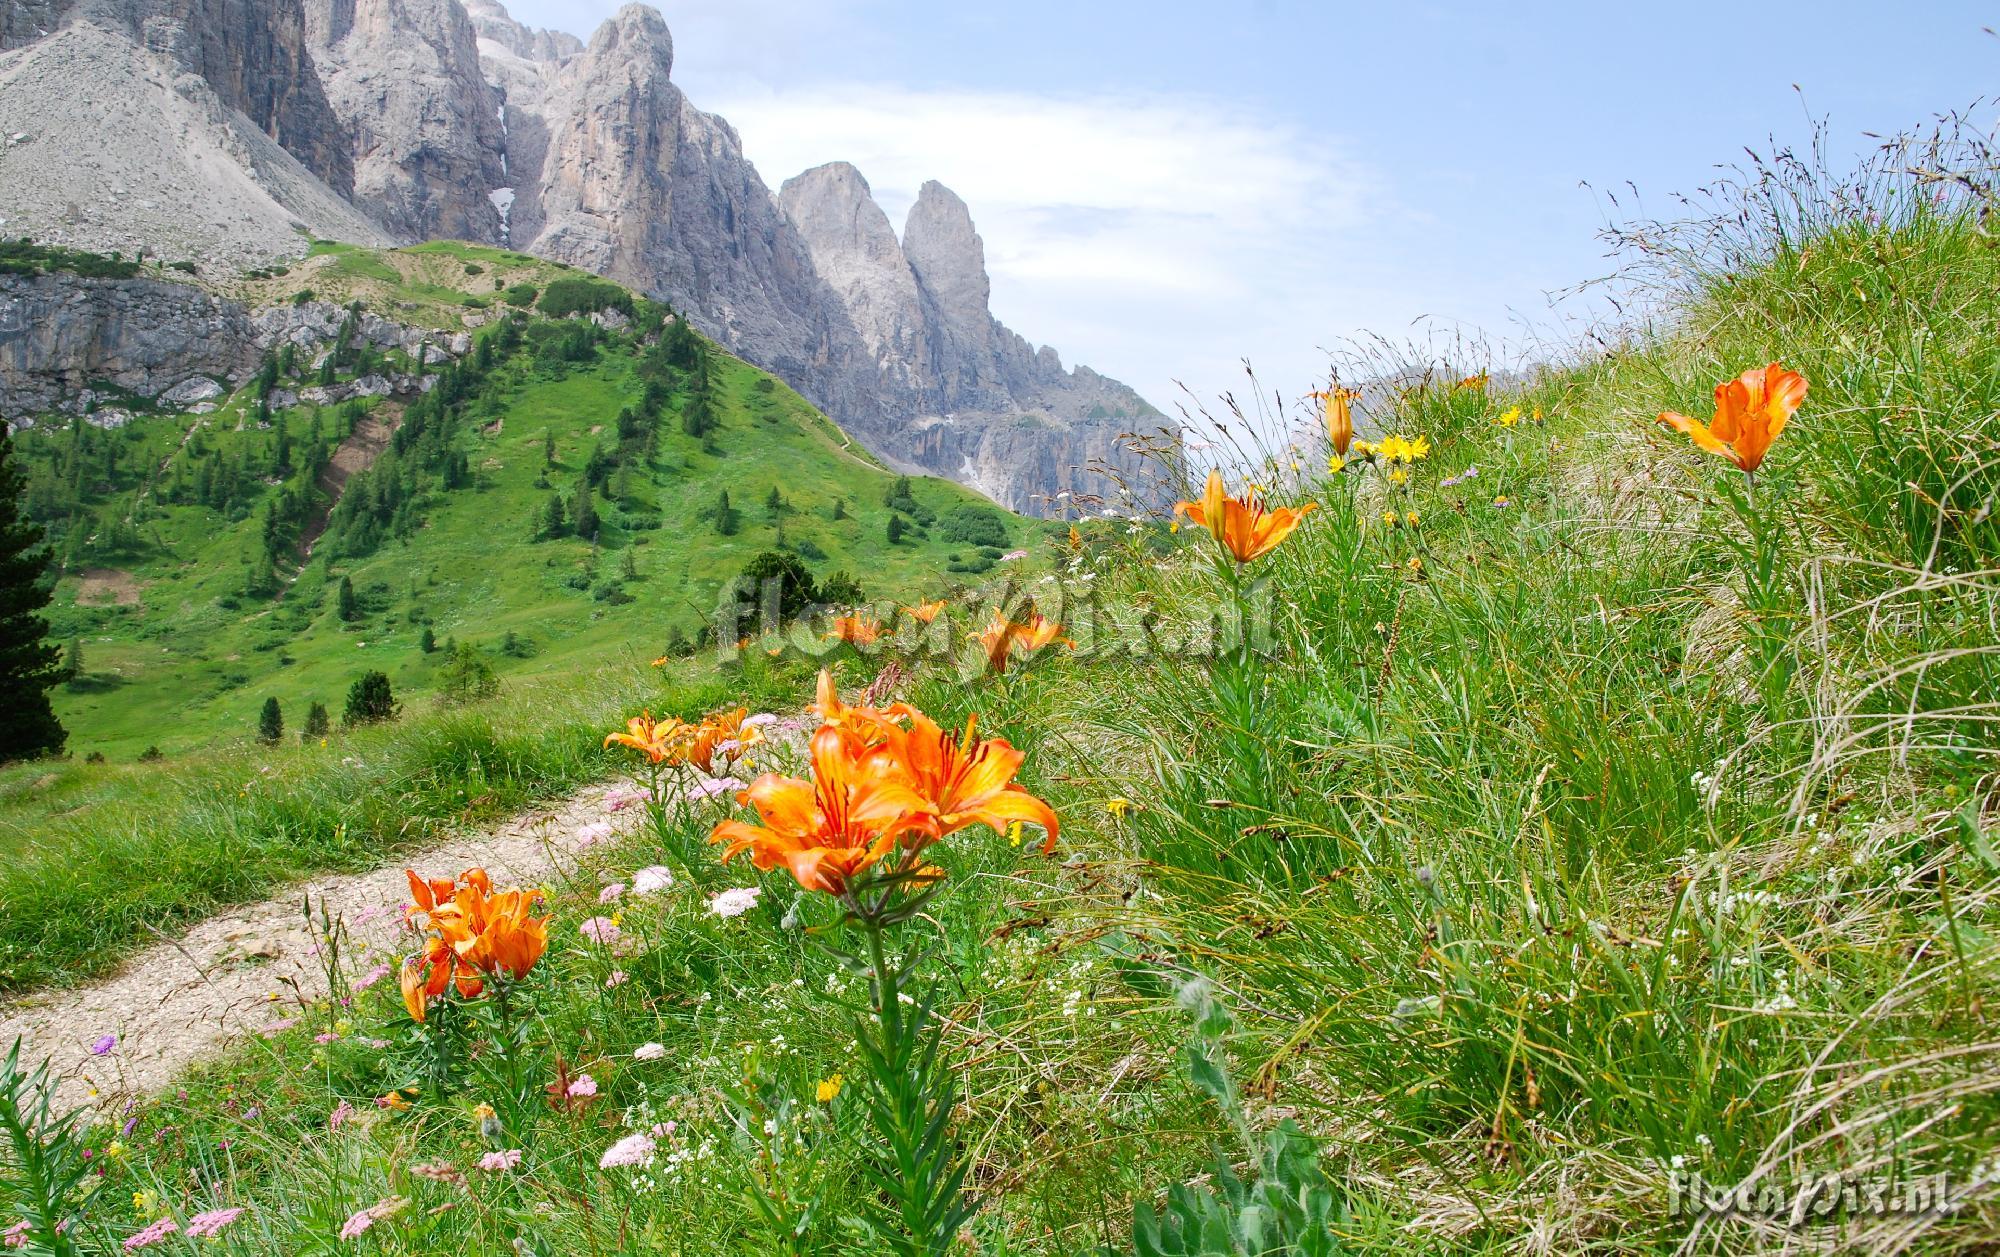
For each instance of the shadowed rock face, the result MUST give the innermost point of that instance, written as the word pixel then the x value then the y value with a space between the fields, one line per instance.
pixel 425 125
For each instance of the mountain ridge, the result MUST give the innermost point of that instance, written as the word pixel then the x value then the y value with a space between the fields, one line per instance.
pixel 458 121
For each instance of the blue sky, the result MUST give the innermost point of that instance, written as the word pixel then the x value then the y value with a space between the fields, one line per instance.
pixel 1166 188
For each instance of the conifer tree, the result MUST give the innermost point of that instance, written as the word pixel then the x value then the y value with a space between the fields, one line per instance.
pixel 29 666
pixel 318 724
pixel 584 513
pixel 344 604
pixel 270 723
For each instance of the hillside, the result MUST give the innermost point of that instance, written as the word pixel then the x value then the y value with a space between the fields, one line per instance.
pixel 1595 849
pixel 196 583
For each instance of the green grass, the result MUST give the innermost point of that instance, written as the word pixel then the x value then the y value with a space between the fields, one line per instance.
pixel 1607 820
pixel 178 656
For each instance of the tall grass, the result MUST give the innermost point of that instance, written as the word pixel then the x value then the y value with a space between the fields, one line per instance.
pixel 1546 852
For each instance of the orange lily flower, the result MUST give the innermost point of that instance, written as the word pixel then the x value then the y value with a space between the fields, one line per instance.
pixel 658 740
pixel 495 934
pixel 415 997
pixel 1005 638
pixel 828 830
pixel 1750 411
pixel 925 611
pixel 1339 403
pixel 706 739
pixel 1244 526
pixel 855 629
pixel 859 725
pixel 965 780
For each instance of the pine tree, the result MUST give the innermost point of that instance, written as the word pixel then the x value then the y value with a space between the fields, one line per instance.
pixel 427 641
pixel 370 701
pixel 29 666
pixel 318 724
pixel 774 503
pixel 895 530
pixel 840 508
pixel 72 664
pixel 548 447
pixel 726 519
pixel 344 604
pixel 553 520
pixel 270 723
pixel 584 513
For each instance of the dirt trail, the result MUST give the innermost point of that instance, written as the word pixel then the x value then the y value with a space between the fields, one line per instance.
pixel 181 1000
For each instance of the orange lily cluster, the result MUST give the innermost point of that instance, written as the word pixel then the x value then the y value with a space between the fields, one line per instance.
pixel 1243 526
pixel 856 629
pixel 1003 639
pixel 472 935
pixel 925 612
pixel 673 741
pixel 1750 411
pixel 885 783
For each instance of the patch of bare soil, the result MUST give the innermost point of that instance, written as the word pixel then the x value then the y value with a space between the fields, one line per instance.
pixel 355 455
pixel 107 586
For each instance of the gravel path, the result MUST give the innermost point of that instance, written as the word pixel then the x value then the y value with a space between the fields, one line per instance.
pixel 181 1000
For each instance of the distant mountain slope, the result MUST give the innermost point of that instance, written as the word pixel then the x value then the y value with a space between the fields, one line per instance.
pixel 112 144
pixel 227 132
pixel 181 528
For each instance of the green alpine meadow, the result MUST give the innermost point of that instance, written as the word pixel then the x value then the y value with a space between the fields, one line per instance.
pixel 556 698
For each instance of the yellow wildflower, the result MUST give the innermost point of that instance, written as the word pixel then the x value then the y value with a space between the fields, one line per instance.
pixel 1118 807
pixel 830 1087
pixel 1509 417
pixel 1412 519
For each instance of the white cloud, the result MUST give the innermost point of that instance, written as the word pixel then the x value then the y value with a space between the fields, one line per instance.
pixel 1159 239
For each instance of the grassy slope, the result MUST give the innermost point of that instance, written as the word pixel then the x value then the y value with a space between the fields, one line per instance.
pixel 193 661
pixel 1524 875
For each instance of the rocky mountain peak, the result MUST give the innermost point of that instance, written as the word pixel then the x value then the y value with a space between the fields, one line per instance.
pixel 635 33
pixel 949 258
pixel 497 27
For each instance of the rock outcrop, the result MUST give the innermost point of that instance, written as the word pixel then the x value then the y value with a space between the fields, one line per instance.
pixel 72 344
pixel 429 147
pixel 63 338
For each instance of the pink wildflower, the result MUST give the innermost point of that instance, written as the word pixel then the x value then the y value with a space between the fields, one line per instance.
pixel 618 978
pixel 631 1150
pixel 497 1162
pixel 358 1224
pixel 593 833
pixel 152 1235
pixel 582 1087
pixel 619 799
pixel 652 879
pixel 214 1222
pixel 735 902
pixel 611 893
pixel 341 1115
pixel 600 930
